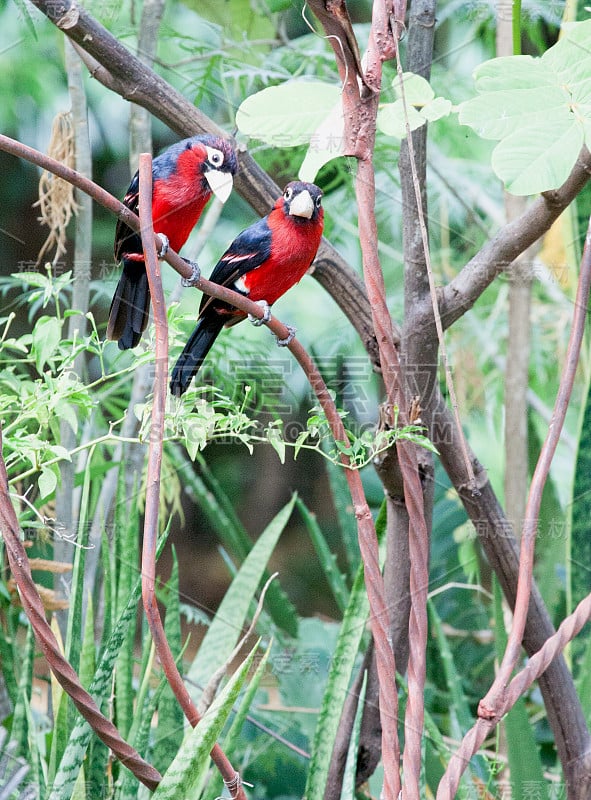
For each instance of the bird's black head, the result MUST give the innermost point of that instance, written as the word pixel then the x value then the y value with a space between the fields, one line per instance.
pixel 220 155
pixel 209 159
pixel 301 199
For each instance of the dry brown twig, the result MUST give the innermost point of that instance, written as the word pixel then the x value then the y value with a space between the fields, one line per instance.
pixel 56 196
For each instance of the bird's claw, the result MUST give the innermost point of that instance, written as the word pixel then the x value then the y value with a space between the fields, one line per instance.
pixel 164 244
pixel 195 276
pixel 288 339
pixel 258 321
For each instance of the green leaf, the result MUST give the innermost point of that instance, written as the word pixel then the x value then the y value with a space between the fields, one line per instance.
pixel 536 159
pixel 345 653
pixel 47 481
pixel 578 545
pixel 327 559
pixel 539 109
pixel 46 338
pixel 436 109
pixel 37 279
pixel 391 119
pixel 583 682
pixel 277 442
pixel 213 500
pixel 88 651
pixel 169 733
pixel 341 497
pixel 222 635
pixel 421 106
pixel 326 142
pixel 100 689
pixel 233 745
pixel 287 115
pixel 417 90
pixel 19 731
pixel 192 760
pixel 350 771
pixel 24 12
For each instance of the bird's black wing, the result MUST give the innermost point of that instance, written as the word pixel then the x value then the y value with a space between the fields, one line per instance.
pixel 249 250
pixel 126 240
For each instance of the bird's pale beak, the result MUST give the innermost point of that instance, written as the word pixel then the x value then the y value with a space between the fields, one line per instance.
pixel 302 205
pixel 220 183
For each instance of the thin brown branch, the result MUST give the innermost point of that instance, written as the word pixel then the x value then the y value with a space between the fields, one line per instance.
pixel 382 45
pixel 379 618
pixel 563 707
pixel 490 704
pixel 152 504
pixel 360 114
pixel 535 667
pixel 420 218
pixel 335 20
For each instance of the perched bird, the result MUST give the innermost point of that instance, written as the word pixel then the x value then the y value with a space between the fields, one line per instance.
pixel 262 263
pixel 183 179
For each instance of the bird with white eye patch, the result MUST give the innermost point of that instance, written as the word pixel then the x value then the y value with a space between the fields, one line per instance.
pixel 262 263
pixel 183 179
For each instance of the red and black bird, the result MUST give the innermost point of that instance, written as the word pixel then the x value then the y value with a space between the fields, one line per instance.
pixel 183 179
pixel 262 263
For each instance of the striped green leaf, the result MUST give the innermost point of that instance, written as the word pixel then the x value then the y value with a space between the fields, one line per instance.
pixel 192 760
pixel 223 633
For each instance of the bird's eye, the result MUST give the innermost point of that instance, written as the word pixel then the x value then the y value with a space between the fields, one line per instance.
pixel 288 194
pixel 215 157
pixel 319 201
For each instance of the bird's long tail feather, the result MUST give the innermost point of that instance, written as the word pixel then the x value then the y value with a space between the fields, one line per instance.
pixel 130 307
pixel 194 353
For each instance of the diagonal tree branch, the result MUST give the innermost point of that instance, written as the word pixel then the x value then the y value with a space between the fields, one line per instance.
pixel 512 239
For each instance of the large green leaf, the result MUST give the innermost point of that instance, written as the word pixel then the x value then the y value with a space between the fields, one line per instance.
pixel 223 633
pixel 539 109
pixel 538 157
pixel 213 500
pixel 345 653
pixel 339 677
pixel 233 747
pixel 192 760
pixel 327 559
pixel 326 142
pixel 288 114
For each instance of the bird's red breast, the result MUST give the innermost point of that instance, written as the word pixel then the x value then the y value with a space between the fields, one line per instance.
pixel 295 241
pixel 179 199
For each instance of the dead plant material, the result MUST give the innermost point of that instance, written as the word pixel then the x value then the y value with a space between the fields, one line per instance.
pixel 56 196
